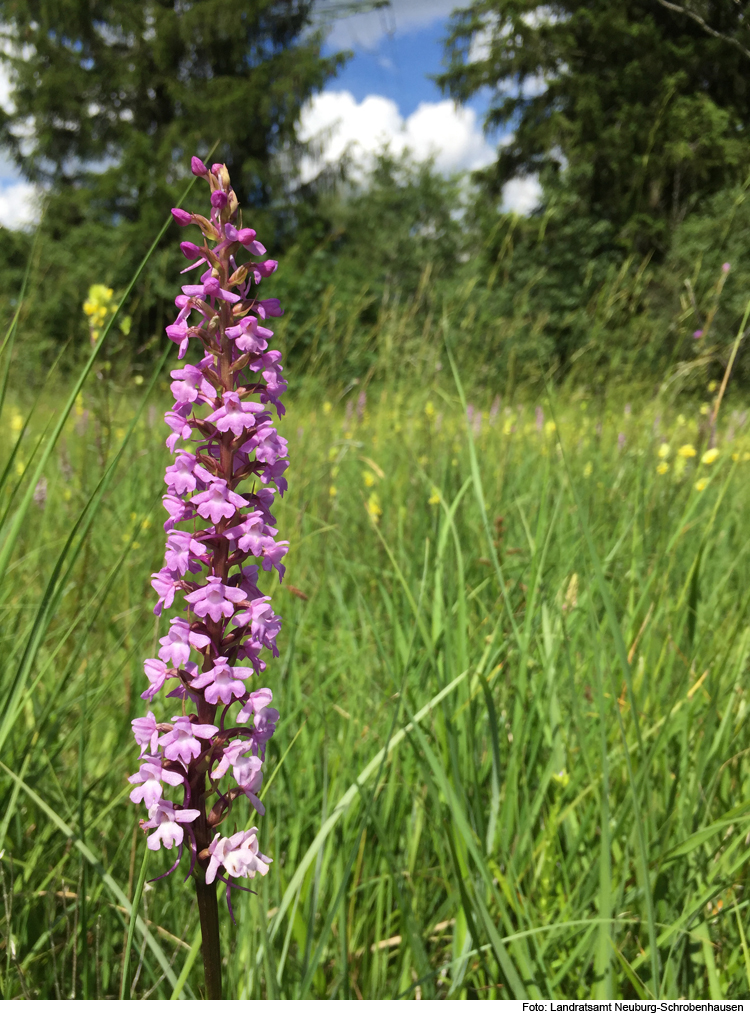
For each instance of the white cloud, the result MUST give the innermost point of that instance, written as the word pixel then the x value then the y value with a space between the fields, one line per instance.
pixel 522 194
pixel 17 204
pixel 335 122
pixel 365 31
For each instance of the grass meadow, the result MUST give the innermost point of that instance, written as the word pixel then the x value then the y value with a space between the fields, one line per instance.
pixel 513 754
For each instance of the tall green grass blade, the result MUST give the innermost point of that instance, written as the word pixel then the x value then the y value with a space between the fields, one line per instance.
pixel 187 967
pixel 125 981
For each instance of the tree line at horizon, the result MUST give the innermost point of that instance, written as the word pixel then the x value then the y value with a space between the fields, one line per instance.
pixel 634 116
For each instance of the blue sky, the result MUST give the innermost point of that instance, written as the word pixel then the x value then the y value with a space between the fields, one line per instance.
pixel 396 62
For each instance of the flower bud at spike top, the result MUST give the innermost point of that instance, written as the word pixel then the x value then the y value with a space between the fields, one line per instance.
pixel 201 761
pixel 198 167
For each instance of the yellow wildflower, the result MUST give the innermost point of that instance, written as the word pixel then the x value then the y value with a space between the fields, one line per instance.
pixel 333 453
pixel 429 409
pixel 373 507
pixel 20 467
pixel 138 380
pixel 550 427
pixel 369 479
pixel 704 408
pixel 713 386
pixel 327 407
pixel 16 423
pixel 434 496
pixel 588 469
pixel 664 450
pixel 701 484
pixel 710 456
pixel 332 491
pixel 680 419
pixel 662 468
pixel 97 303
pixel 687 450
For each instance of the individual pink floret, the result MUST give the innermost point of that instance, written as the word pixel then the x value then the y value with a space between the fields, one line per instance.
pixel 239 855
pixel 168 824
pixel 182 743
pixel 249 336
pixel 265 624
pixel 177 509
pixel 178 332
pixel 218 501
pixel 177 421
pixel 232 752
pixel 145 731
pixel 182 549
pixel 190 384
pixel 266 444
pixel 165 582
pixel 269 308
pixel 150 775
pixel 215 600
pixel 251 534
pixel 180 476
pixel 263 269
pixel 235 415
pixel 157 673
pixel 175 648
pixel 223 682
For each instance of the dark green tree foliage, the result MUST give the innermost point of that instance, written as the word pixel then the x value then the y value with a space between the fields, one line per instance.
pixel 111 98
pixel 640 107
pixel 358 246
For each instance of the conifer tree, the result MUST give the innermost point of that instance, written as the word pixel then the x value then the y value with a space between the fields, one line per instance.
pixel 638 109
pixel 109 100
pixel 109 95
